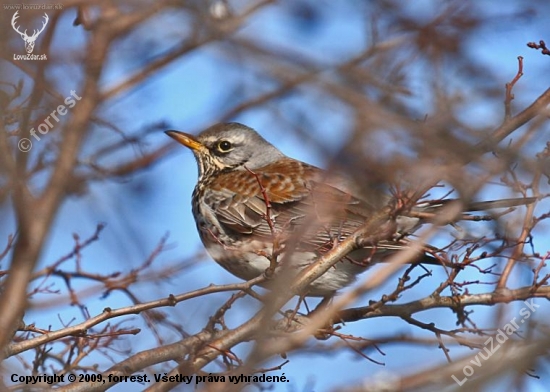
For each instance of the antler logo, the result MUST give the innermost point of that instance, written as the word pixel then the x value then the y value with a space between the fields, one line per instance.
pixel 29 41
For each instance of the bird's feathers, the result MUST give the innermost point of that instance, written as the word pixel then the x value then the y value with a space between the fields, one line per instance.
pixel 296 194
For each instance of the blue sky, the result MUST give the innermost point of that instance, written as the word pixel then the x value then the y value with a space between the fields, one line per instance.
pixel 193 92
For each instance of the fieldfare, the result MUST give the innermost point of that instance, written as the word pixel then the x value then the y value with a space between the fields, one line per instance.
pixel 252 201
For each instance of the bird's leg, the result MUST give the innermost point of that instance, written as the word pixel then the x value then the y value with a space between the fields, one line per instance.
pixel 323 304
pixel 327 331
pixel 293 313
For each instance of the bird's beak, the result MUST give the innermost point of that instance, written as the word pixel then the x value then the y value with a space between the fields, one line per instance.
pixel 187 140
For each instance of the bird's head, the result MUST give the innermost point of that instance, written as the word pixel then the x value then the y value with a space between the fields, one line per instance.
pixel 228 146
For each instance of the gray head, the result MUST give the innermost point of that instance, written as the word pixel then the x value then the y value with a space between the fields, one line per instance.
pixel 228 146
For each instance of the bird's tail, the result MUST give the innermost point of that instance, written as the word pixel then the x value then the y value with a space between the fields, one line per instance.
pixel 504 203
pixel 433 206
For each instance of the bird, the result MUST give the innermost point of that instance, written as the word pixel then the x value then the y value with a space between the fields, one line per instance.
pixel 253 205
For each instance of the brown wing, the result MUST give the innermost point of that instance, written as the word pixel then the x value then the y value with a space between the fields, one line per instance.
pixel 297 195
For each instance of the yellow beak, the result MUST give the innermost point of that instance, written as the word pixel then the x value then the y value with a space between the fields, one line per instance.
pixel 187 140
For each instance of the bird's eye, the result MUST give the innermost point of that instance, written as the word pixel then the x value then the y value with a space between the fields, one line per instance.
pixel 224 146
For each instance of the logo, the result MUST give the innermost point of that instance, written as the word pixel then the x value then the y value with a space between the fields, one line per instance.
pixel 29 40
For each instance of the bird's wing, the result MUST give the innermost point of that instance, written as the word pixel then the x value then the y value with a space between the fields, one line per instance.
pixel 299 200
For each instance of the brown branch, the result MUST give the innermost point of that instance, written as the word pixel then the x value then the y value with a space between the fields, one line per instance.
pixel 34 228
pixel 526 229
pixel 541 45
pixel 227 339
pixel 79 329
pixel 509 87
pixel 185 47
pixel 455 303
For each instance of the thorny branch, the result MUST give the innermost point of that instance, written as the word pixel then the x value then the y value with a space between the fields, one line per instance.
pixel 509 87
pixel 473 272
